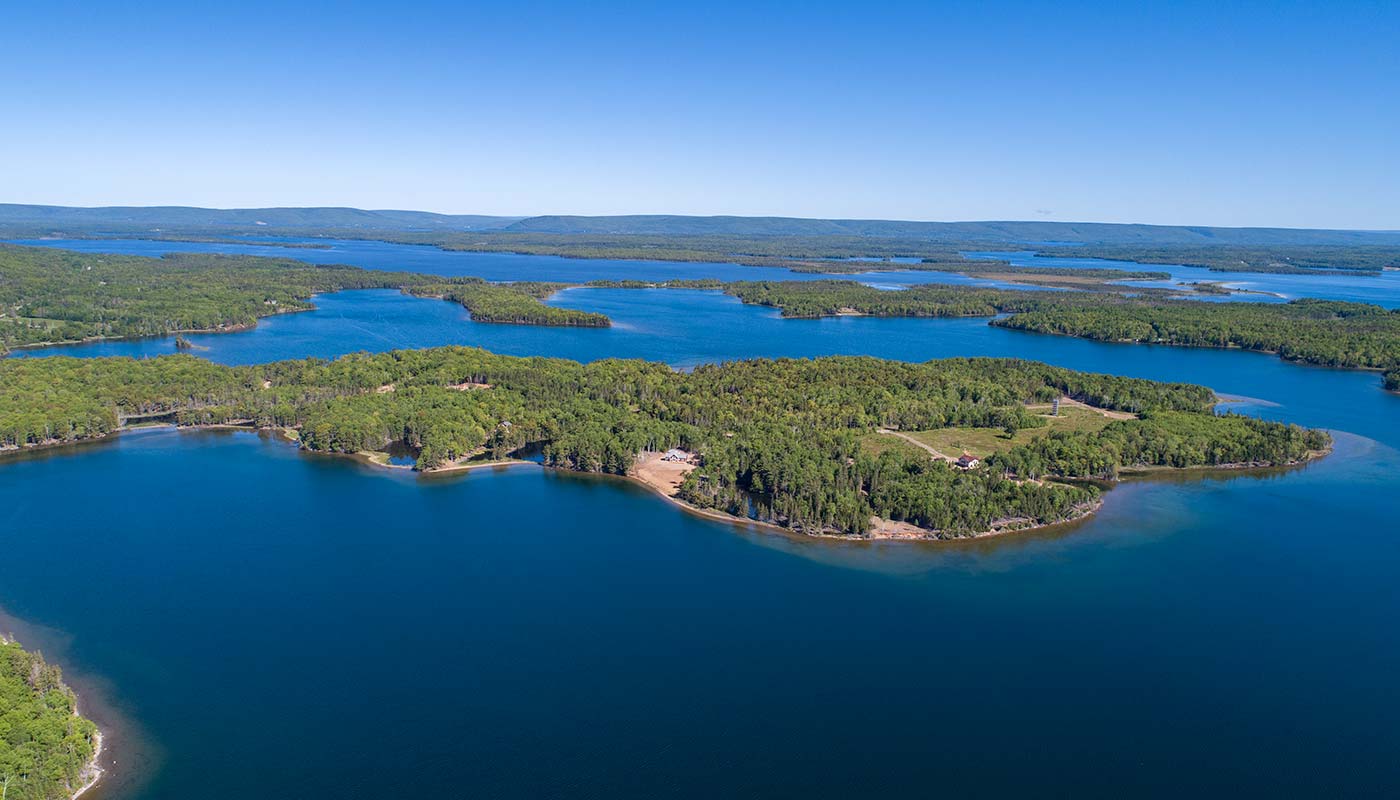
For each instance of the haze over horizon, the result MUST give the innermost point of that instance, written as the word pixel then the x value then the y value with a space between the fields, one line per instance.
pixel 701 216
pixel 1087 112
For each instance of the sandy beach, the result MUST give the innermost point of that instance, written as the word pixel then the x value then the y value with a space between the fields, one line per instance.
pixel 665 477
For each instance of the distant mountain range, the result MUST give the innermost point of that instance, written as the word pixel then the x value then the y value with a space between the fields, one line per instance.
pixel 127 220
pixel 124 217
pixel 1008 232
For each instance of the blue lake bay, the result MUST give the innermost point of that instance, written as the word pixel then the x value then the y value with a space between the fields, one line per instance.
pixel 271 618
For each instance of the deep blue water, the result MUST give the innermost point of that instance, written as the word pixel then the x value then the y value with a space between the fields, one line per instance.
pixel 280 624
pixel 284 625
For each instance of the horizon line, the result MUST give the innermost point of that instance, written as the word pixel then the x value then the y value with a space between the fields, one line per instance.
pixel 519 217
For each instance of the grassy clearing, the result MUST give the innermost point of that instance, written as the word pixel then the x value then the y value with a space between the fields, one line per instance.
pixel 982 442
pixel 877 443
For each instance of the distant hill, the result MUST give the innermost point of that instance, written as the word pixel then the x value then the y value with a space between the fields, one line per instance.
pixel 1009 232
pixel 129 220
pixel 188 217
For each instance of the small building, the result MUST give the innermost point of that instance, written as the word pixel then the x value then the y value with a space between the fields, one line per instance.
pixel 967 461
pixel 675 454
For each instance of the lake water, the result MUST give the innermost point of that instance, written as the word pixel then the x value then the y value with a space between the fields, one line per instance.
pixel 1383 289
pixel 287 625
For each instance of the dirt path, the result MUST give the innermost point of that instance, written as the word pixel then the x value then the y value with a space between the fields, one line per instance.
pixel 1066 401
pixel 911 440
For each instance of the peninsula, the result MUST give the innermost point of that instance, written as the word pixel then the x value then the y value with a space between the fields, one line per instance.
pixel 50 296
pixel 1328 333
pixel 801 444
pixel 47 750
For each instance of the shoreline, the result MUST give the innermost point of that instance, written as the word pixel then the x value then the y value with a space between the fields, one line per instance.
pixel 1226 348
pixel 123 757
pixel 1238 466
pixel 239 328
pixel 470 466
pixel 785 262
pixel 245 327
pixel 894 531
pixel 92 771
pixel 874 535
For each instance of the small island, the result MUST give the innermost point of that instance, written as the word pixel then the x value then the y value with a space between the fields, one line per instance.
pixel 47 750
pixel 836 446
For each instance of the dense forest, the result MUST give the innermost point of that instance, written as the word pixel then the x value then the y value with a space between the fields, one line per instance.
pixel 45 747
pixel 516 303
pixel 779 440
pixel 1078 277
pixel 1296 259
pixel 825 298
pixel 1324 332
pixel 49 295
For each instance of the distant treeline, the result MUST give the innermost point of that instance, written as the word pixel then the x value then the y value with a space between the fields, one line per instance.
pixel 834 254
pixel 983 266
pixel 1324 332
pixel 778 438
pixel 1289 259
pixel 51 295
pixel 804 248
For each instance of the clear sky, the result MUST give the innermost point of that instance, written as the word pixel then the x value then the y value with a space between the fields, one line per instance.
pixel 1223 113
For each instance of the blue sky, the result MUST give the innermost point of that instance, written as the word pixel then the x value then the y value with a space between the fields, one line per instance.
pixel 1223 113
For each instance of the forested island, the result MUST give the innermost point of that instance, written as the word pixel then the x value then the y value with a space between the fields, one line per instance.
pixel 1100 279
pixel 826 446
pixel 1323 332
pixel 50 296
pixel 1296 259
pixel 47 751
pixel 518 303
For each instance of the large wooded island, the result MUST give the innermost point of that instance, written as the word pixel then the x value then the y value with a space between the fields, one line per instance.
pixel 828 446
